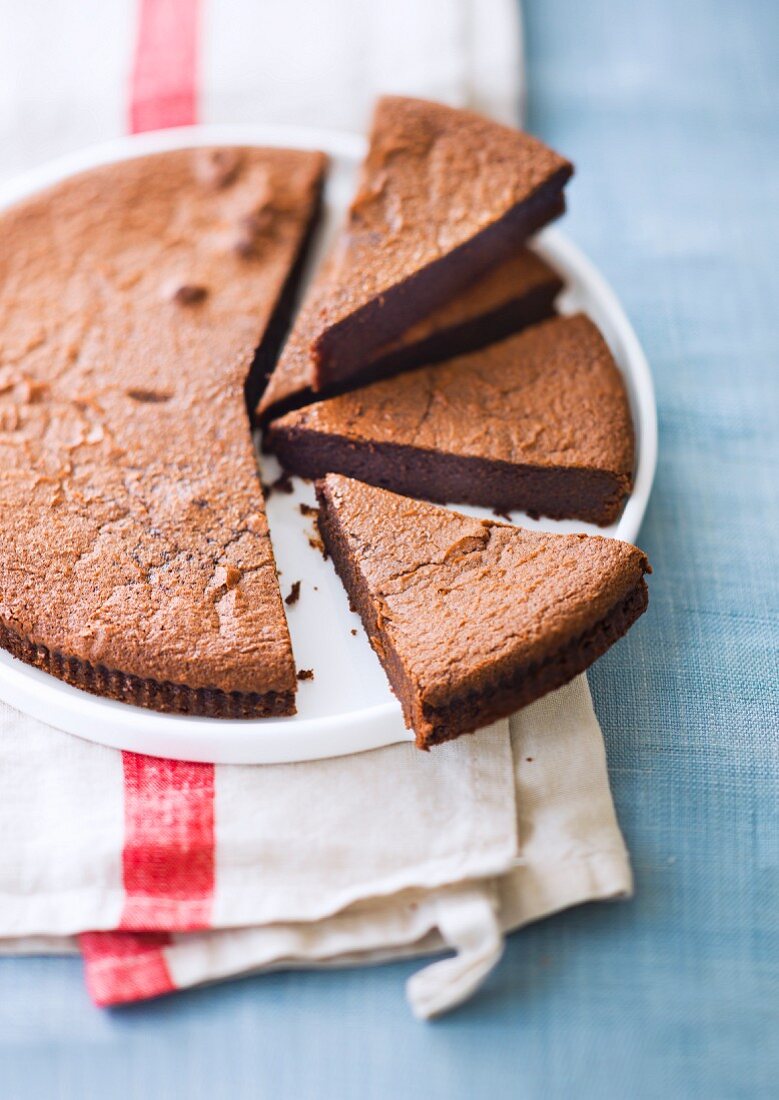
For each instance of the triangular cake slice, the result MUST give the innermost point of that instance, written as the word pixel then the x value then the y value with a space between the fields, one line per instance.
pixel 474 619
pixel 443 195
pixel 516 293
pixel 539 422
pixel 135 560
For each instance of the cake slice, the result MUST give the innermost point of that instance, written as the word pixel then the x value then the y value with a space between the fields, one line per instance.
pixel 514 294
pixel 135 559
pixel 539 422
pixel 474 619
pixel 443 195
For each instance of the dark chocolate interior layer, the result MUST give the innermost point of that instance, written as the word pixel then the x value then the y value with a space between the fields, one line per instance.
pixel 344 347
pixel 444 343
pixel 594 496
pixel 539 421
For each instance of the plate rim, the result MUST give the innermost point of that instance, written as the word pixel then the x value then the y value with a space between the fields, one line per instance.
pixel 284 740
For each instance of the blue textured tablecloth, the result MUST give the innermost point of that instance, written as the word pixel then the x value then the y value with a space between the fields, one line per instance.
pixel 669 109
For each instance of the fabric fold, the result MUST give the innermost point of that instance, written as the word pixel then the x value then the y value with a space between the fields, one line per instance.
pixel 420 853
pixel 468 924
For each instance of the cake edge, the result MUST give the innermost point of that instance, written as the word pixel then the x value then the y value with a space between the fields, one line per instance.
pixel 162 696
pixel 491 327
pixel 597 495
pixel 530 682
pixel 340 348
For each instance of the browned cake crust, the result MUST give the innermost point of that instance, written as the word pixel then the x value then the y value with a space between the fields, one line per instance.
pixel 165 697
pixel 539 422
pixel 443 196
pixel 517 293
pixel 135 558
pixel 473 620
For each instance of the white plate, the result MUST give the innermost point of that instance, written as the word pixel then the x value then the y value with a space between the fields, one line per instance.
pixel 348 706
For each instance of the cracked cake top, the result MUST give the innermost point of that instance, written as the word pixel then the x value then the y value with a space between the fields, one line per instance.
pixel 132 301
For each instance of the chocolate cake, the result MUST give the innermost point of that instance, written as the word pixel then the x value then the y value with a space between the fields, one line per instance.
pixel 508 298
pixel 135 560
pixel 539 422
pixel 474 619
pixel 443 196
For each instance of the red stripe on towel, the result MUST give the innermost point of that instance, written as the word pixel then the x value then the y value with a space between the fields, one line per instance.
pixel 163 87
pixel 122 967
pixel 168 854
pixel 168 877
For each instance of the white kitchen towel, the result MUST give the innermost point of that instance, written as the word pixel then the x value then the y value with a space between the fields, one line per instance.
pixel 168 874
pixel 65 65
pixel 344 861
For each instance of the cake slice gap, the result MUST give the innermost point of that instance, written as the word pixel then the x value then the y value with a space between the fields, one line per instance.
pixel 473 619
pixel 538 422
pixel 516 293
pixel 443 196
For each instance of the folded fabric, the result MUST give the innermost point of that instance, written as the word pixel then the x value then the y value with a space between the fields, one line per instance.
pixel 335 862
